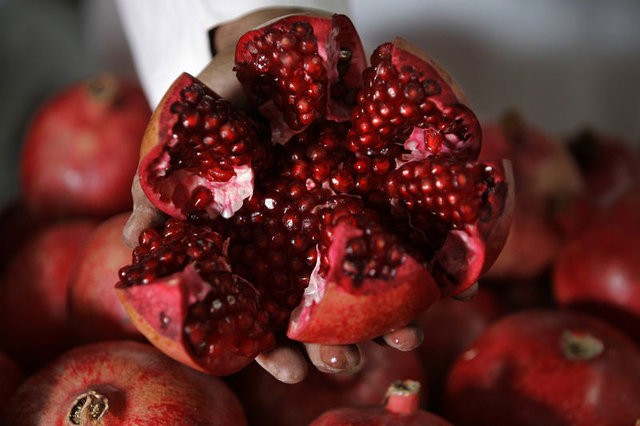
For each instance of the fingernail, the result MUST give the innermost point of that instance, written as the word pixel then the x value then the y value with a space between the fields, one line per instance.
pixel 340 358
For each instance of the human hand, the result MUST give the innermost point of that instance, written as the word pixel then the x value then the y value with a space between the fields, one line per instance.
pixel 287 362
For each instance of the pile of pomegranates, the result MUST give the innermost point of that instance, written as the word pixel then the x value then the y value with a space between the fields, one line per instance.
pixel 346 197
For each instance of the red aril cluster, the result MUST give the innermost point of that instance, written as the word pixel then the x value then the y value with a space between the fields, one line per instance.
pixel 345 203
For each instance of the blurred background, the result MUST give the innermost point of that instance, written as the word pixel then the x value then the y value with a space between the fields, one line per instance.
pixel 563 64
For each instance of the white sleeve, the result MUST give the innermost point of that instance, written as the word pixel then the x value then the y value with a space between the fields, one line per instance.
pixel 167 37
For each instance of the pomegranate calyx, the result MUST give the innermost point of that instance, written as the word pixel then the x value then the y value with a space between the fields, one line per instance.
pixel 403 397
pixel 580 346
pixel 88 408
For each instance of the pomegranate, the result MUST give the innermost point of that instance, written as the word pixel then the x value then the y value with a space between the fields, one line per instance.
pixel 17 225
pixel 11 375
pixel 449 327
pixel 401 407
pixel 547 180
pixel 609 166
pixel 599 270
pixel 264 397
pixel 33 292
pixel 121 382
pixel 343 230
pixel 81 149
pixel 95 313
pixel 546 367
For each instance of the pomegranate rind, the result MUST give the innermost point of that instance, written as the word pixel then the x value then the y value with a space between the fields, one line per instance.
pixel 158 311
pixel 338 312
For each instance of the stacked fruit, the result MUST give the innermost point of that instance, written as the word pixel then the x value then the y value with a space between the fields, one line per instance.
pixel 347 200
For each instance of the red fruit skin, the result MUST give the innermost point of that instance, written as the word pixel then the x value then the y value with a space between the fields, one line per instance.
pixel 264 397
pixel 449 327
pixel 599 270
pixel 400 408
pixel 95 313
pixel 33 292
pixel 143 387
pixel 81 149
pixel 338 314
pixel 11 376
pixel 547 179
pixel 517 373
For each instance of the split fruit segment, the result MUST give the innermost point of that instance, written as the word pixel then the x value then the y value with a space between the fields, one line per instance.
pixel 336 230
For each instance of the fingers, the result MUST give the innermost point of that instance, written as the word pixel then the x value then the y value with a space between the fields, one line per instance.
pixel 335 358
pixel 143 215
pixel 285 363
pixel 469 293
pixel 404 339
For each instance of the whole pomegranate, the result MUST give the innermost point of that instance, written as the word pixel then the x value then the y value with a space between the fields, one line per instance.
pixel 599 270
pixel 81 149
pixel 546 367
pixel 33 292
pixel 401 408
pixel 342 206
pixel 121 383
pixel 11 375
pixel 547 179
pixel 450 326
pixel 95 313
pixel 264 397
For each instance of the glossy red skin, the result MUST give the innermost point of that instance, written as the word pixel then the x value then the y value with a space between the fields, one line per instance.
pixel 516 373
pixel 377 416
pixel 81 150
pixel 33 292
pixel 95 313
pixel 599 270
pixel 449 326
pixel 265 398
pixel 546 179
pixel 142 386
pixel 11 375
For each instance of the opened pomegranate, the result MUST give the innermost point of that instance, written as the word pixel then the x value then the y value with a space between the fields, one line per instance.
pixel 264 397
pixel 599 270
pixel 546 367
pixel 121 383
pixel 401 407
pixel 33 292
pixel 346 226
pixel 81 149
pixel 94 311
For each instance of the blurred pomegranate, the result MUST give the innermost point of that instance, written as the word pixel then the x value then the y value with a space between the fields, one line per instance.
pixel 11 375
pixel 547 180
pixel 599 270
pixel 95 313
pixel 400 408
pixel 81 149
pixel 546 367
pixel 33 292
pixel 449 327
pixel 121 383
pixel 264 397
